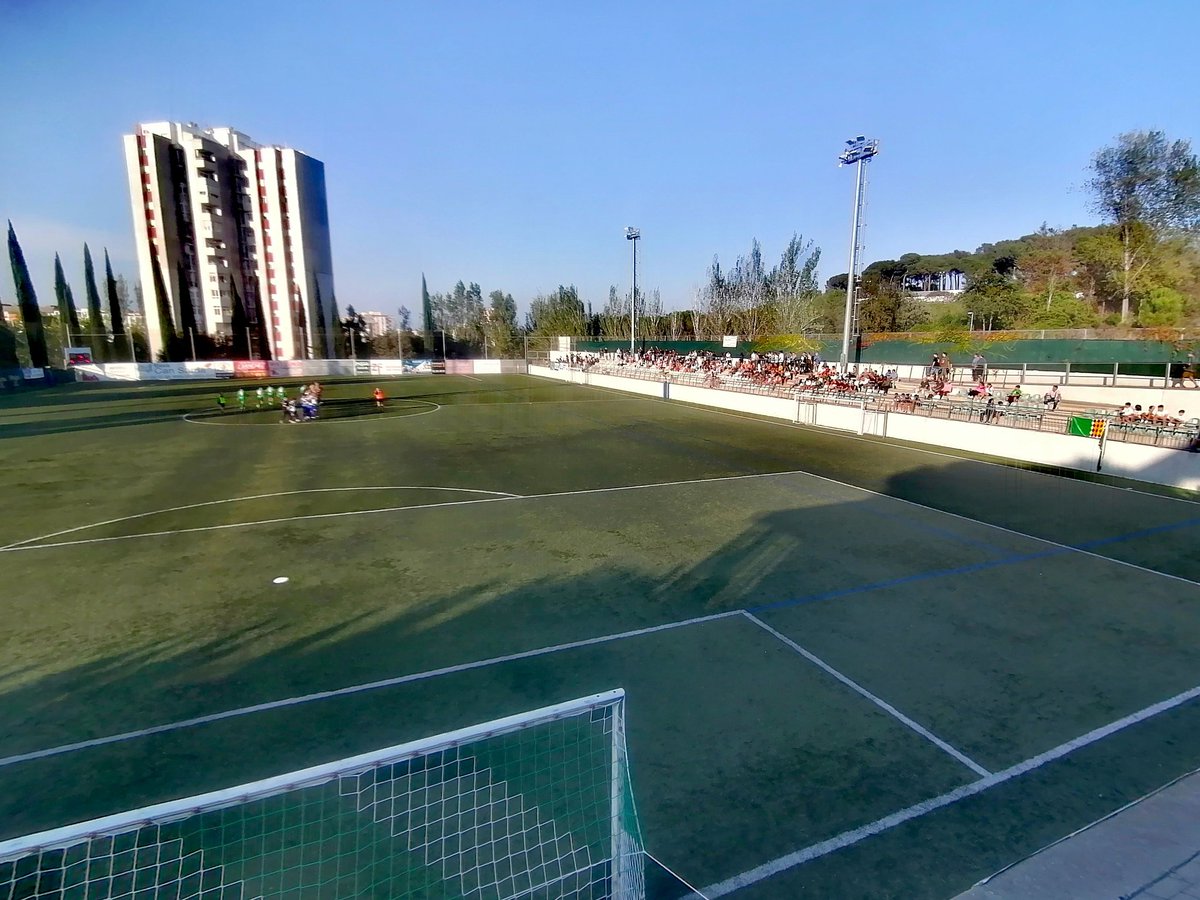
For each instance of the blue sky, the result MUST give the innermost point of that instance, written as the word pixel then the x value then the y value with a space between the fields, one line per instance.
pixel 511 143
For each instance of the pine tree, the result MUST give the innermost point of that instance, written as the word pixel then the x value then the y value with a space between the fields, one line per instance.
pixel 114 301
pixel 8 348
pixel 97 334
pixel 35 335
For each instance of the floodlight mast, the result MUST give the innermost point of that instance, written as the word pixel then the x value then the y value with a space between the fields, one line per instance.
pixel 859 150
pixel 633 234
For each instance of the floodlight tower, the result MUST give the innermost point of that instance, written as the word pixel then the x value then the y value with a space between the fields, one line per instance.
pixel 633 234
pixel 859 151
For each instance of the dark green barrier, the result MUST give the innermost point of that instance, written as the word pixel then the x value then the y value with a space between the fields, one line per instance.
pixel 1134 357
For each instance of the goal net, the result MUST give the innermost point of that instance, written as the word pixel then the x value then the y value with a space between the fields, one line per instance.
pixel 533 805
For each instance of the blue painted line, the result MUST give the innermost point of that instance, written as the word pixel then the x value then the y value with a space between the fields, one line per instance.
pixel 1134 535
pixel 909 579
pixel 938 530
pixel 973 567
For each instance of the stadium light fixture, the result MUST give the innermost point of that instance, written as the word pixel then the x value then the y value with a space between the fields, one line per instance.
pixel 859 151
pixel 633 234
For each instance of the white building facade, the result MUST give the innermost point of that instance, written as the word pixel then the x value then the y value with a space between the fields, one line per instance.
pixel 378 324
pixel 221 221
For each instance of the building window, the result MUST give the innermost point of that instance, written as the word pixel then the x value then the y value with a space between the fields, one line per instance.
pixel 212 277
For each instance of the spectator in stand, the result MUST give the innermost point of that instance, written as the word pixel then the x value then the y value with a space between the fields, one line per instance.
pixel 1014 396
pixel 978 367
pixel 944 366
pixel 1052 397
pixel 990 413
pixel 980 390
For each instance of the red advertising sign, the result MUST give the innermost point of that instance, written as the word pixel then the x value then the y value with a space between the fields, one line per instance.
pixel 250 368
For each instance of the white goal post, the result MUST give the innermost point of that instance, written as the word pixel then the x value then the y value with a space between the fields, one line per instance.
pixel 536 804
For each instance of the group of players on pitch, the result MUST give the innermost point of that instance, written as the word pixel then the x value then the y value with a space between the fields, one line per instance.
pixel 305 407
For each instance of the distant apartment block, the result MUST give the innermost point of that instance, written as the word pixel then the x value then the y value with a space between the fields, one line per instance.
pixel 228 220
pixel 378 324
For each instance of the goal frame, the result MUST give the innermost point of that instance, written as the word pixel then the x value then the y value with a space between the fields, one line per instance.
pixel 171 811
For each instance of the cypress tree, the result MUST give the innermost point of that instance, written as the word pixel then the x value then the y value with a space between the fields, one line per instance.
pixel 117 320
pixel 261 324
pixel 427 312
pixel 35 336
pixel 99 337
pixel 320 338
pixel 340 350
pixel 238 323
pixel 166 323
pixel 66 303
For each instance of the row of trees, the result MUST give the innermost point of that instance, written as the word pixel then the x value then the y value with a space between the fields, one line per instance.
pixel 746 299
pixel 1140 268
pixel 102 327
pixel 460 323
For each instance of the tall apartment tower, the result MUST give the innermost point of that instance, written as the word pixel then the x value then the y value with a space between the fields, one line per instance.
pixel 219 219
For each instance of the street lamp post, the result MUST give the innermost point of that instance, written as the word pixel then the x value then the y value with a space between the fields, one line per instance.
pixel 633 234
pixel 858 152
pixel 970 321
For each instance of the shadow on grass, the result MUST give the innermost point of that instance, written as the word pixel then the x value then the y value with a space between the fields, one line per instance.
pixel 782 555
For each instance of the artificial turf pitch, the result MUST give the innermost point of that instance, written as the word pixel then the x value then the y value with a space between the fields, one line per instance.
pixel 883 643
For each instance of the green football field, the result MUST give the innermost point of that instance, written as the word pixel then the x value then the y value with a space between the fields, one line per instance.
pixel 853 668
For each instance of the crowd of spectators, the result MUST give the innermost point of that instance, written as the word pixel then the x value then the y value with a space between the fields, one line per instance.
pixel 808 372
pixel 775 369
pixel 1131 413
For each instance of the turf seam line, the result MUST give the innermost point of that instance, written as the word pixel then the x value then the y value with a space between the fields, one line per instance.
pixel 878 701
pixel 854 836
pixel 356 689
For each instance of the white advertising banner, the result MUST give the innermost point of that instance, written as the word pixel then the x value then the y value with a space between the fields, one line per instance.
pixel 387 367
pixel 121 371
pixel 216 368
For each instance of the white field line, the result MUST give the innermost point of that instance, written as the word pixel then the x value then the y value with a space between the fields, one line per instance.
pixel 30 543
pixel 944 512
pixel 158 512
pixel 472 377
pixel 848 838
pixel 451 406
pixel 878 701
pixel 356 689
pixel 887 442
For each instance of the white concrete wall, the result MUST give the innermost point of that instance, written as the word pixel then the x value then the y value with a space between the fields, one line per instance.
pixel 1138 461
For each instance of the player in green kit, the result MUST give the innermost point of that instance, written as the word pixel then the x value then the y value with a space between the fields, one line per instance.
pixel 241 395
pixel 221 401
pixel 260 395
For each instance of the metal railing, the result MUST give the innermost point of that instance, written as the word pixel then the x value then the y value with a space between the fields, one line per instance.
pixel 1027 415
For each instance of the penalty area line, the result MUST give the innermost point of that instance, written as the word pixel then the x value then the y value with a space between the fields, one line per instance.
pixel 878 701
pixel 854 836
pixel 356 689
